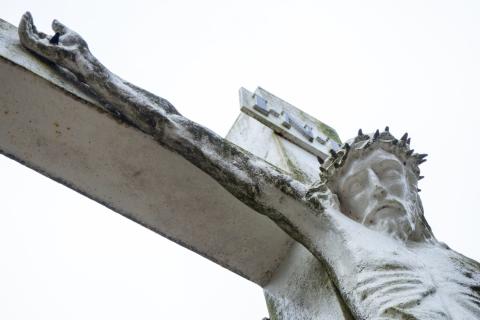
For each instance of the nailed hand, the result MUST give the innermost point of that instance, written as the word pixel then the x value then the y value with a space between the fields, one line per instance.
pixel 65 48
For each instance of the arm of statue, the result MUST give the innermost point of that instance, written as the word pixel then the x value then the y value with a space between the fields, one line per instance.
pixel 308 215
pixel 252 180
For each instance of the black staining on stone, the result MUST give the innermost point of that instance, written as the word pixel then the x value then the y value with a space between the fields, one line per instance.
pixel 333 153
pixel 215 156
pixel 404 137
pixel 421 161
pixel 476 301
pixel 391 267
pixel 360 133
pixel 418 189
pixel 376 135
pixel 476 289
pixel 420 178
pixel 387 129
pixel 409 152
pixel 408 141
pixel 160 102
pixel 137 173
pixel 429 292
pixel 395 142
pixel 346 146
pixel 320 160
pixel 56 37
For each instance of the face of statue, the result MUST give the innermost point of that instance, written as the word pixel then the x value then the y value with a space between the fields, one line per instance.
pixel 376 192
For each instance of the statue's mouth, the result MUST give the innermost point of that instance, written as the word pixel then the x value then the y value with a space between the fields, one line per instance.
pixel 390 205
pixel 386 209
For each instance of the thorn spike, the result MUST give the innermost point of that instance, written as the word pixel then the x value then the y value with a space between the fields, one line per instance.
pixel 404 137
pixel 387 129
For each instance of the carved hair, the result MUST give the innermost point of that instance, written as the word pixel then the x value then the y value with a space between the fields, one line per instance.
pixel 365 143
pixel 357 148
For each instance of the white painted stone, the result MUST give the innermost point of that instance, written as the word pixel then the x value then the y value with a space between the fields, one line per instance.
pixel 387 267
pixel 300 288
pixel 51 126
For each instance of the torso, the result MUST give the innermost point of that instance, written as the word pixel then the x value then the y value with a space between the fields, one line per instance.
pixel 426 281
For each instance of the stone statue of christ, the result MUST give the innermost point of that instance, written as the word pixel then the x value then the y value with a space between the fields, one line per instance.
pixel 363 220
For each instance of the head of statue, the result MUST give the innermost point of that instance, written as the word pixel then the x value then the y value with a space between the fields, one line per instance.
pixel 374 177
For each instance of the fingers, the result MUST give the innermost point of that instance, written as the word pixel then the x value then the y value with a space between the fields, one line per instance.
pixel 61 48
pixel 42 35
pixel 66 37
pixel 27 31
pixel 26 26
pixel 59 27
pixel 31 38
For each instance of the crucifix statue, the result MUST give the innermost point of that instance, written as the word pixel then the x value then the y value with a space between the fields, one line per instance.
pixel 362 219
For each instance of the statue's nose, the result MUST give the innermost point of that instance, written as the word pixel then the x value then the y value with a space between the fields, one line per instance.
pixel 379 191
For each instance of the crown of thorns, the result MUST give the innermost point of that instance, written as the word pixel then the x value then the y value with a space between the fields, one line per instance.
pixel 365 143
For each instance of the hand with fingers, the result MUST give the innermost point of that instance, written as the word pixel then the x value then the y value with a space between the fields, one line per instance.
pixel 65 48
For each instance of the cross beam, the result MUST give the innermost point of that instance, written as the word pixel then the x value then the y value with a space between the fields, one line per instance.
pixel 53 126
pixel 50 125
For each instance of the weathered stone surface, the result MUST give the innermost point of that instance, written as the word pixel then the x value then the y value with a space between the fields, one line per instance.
pixel 50 125
pixel 363 220
pixel 300 288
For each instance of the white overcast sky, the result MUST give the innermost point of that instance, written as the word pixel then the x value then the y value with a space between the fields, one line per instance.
pixel 412 65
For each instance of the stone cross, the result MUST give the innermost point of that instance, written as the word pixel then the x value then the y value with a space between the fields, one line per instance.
pixel 356 243
pixel 178 200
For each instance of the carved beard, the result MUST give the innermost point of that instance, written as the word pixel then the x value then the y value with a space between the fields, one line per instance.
pixel 421 231
pixel 409 226
pixel 399 228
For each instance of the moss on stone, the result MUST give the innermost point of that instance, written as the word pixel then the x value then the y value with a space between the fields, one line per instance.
pixel 271 306
pixel 329 132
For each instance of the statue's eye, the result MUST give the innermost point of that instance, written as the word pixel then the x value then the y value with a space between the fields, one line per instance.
pixel 390 173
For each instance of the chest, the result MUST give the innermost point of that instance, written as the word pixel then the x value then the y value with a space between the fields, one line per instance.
pixel 425 283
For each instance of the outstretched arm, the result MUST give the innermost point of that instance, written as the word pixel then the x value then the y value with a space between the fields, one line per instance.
pixel 307 215
pixel 258 184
